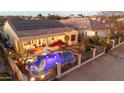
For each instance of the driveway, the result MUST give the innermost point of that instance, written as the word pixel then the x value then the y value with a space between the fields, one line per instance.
pixel 109 67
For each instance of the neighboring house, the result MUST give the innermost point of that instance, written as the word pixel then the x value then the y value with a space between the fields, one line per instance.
pixel 99 26
pixel 82 25
pixel 30 34
pixel 121 19
pixel 87 26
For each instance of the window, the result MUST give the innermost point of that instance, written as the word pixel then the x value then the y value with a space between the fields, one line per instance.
pixel 85 33
pixel 73 38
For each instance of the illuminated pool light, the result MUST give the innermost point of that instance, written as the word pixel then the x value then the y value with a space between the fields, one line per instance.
pixel 47 57
pixel 32 79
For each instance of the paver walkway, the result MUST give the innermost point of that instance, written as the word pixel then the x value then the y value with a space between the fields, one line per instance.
pixel 108 67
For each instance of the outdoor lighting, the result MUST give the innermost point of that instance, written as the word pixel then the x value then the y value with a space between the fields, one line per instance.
pixel 10 53
pixel 47 57
pixel 44 53
pixel 42 76
pixel 32 79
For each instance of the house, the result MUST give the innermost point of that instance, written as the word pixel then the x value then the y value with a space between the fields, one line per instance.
pixel 99 26
pixel 87 26
pixel 82 25
pixel 26 35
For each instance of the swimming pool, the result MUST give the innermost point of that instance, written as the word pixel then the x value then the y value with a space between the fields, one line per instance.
pixel 48 61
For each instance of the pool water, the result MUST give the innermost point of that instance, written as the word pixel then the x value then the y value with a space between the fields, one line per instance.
pixel 48 61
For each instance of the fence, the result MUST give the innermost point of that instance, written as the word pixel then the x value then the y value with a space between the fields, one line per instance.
pixel 50 74
pixel 63 69
pixel 117 44
pixel 89 56
pixel 17 72
pixel 86 56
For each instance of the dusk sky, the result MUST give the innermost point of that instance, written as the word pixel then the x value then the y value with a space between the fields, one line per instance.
pixel 34 13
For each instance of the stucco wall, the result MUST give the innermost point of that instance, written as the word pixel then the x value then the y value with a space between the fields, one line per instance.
pixel 12 36
pixel 73 32
pixel 102 33
pixel 59 37
pixel 89 32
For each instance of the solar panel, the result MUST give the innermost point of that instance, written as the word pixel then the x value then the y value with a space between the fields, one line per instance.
pixel 35 24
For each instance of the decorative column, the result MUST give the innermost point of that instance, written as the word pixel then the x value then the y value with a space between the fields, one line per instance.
pixel 16 45
pixel 58 70
pixel 119 41
pixel 94 52
pixel 79 60
pixel 20 47
pixel 113 43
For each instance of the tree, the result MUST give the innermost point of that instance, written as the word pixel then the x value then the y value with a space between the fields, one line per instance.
pixel 55 17
pixel 111 13
pixel 95 40
pixel 80 15
pixel 67 39
pixel 41 16
pixel 114 27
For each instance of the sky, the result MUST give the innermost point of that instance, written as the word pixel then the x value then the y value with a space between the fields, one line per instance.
pixel 34 13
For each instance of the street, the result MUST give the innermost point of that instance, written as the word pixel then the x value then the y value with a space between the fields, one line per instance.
pixel 109 67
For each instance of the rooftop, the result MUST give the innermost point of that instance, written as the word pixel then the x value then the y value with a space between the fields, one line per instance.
pixel 98 23
pixel 29 28
pixel 77 23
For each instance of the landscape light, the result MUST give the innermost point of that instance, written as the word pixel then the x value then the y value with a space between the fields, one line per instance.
pixel 42 76
pixel 32 79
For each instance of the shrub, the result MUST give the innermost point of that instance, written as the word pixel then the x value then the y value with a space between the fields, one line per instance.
pixel 95 40
pixel 67 38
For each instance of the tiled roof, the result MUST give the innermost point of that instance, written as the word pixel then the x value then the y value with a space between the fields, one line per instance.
pixel 39 32
pixel 29 28
pixel 98 24
pixel 77 23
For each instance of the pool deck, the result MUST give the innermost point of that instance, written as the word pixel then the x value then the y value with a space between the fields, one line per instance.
pixel 109 67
